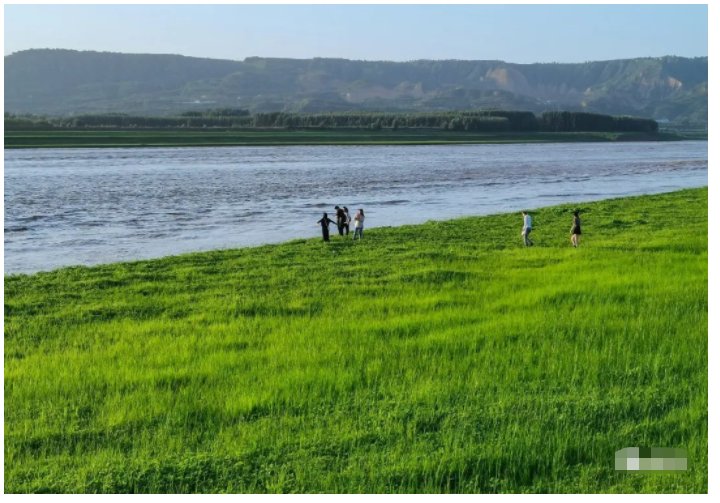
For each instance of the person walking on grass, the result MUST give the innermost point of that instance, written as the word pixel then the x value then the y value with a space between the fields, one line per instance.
pixel 347 220
pixel 359 224
pixel 527 228
pixel 325 224
pixel 575 230
pixel 341 219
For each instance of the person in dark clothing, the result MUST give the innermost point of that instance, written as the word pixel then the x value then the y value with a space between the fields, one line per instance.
pixel 575 230
pixel 347 220
pixel 325 224
pixel 341 220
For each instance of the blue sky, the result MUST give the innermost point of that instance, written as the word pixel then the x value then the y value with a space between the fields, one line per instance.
pixel 514 33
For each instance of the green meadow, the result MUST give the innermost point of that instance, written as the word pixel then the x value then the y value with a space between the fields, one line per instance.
pixel 168 137
pixel 443 357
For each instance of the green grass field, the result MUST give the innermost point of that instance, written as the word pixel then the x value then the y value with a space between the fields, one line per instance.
pixel 249 137
pixel 444 357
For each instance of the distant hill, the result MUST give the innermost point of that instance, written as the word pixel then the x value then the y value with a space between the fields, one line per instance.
pixel 64 82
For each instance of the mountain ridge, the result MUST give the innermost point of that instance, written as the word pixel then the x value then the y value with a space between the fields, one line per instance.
pixel 67 82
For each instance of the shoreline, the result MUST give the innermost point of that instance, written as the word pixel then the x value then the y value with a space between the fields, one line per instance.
pixel 133 138
pixel 337 239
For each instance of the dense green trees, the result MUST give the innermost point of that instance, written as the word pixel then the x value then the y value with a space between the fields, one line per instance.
pixel 481 121
pixel 491 121
pixel 580 121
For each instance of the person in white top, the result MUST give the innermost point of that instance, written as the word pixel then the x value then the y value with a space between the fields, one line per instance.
pixel 359 223
pixel 527 228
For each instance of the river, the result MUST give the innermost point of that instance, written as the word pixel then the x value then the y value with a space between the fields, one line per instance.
pixel 88 206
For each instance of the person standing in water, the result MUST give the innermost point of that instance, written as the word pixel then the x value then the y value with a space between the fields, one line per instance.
pixel 325 224
pixel 575 230
pixel 359 224
pixel 527 228
pixel 341 220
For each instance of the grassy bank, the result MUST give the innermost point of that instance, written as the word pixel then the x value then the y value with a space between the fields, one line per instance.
pixel 443 357
pixel 252 137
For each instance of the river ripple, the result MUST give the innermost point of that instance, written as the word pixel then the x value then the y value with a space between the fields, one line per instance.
pixel 88 206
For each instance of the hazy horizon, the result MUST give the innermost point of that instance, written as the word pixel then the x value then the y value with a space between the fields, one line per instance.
pixel 521 34
pixel 348 59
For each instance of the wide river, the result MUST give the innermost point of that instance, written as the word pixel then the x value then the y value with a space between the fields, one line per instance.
pixel 88 206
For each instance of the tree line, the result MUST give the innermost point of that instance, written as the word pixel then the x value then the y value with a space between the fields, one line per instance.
pixel 481 121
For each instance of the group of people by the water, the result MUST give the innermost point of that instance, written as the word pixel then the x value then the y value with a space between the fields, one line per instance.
pixel 342 222
pixel 575 230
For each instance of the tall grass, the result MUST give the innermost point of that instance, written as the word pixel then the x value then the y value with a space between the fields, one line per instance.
pixel 444 357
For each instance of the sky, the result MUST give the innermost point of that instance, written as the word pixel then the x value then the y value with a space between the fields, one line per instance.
pixel 513 33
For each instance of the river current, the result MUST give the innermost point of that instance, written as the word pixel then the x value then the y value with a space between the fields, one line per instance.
pixel 88 206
